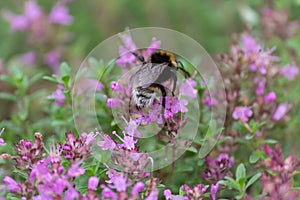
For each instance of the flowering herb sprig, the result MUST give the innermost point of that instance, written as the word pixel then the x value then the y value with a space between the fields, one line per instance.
pixel 42 32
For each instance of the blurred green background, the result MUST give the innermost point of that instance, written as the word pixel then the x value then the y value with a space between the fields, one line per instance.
pixel 212 23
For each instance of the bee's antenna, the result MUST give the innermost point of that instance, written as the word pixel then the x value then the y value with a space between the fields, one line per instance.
pixel 181 67
pixel 140 57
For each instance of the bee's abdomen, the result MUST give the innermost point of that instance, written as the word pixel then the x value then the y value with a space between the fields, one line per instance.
pixel 143 97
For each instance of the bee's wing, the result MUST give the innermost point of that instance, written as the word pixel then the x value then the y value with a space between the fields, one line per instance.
pixel 147 75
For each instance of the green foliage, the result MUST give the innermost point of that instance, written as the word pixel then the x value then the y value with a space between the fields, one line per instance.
pixel 240 183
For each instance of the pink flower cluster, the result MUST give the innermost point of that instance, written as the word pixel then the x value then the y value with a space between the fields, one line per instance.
pixel 249 82
pixel 277 179
pixel 38 26
pixel 48 178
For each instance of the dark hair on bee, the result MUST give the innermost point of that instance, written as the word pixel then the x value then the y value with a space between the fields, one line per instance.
pixel 162 57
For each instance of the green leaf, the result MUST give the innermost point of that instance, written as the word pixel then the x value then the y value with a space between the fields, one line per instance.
pixel 192 149
pixel 65 80
pixel 51 78
pixel 270 141
pixel 7 79
pixel 241 182
pixel 35 78
pixel 10 197
pixel 232 183
pixel 240 171
pixel 20 173
pixel 254 126
pixel 7 96
pixel 239 196
pixel 181 192
pixel 254 157
pixel 253 179
pixel 65 70
pixel 220 141
pixel 229 184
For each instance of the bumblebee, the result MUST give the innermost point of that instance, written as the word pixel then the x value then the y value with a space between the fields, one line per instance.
pixel 149 78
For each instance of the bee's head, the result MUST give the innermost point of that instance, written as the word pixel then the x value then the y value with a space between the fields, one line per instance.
pixel 160 57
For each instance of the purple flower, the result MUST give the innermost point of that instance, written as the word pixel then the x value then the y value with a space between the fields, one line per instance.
pixel 168 195
pixel 28 153
pixel 217 169
pixel 118 181
pixel 250 45
pixel 194 193
pixel 260 89
pixel 173 106
pixel 188 88
pixel 280 112
pixel 242 113
pixel 260 59
pixel 76 149
pixel 278 181
pixel 153 195
pixel 60 15
pixel 75 170
pixel 126 57
pixel 40 171
pixel 53 187
pixel 153 47
pixel 128 141
pixel 2 142
pixel 137 188
pixel 32 10
pixel 12 185
pixel 52 59
pixel 28 58
pixel 208 100
pixel 116 87
pixel 113 102
pixel 270 97
pixel 224 160
pixel 17 22
pixel 108 193
pixel 127 40
pixel 89 138
pixel 58 95
pixel 71 193
pixel 131 128
pixel 107 144
pixel 213 191
pixel 289 71
pixel 178 105
pixel 93 183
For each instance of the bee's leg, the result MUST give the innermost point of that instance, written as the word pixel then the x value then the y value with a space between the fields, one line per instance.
pixel 140 57
pixel 164 94
pixel 137 107
pixel 181 67
pixel 174 77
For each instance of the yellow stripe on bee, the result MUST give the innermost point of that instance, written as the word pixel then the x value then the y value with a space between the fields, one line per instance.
pixel 154 88
pixel 170 55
